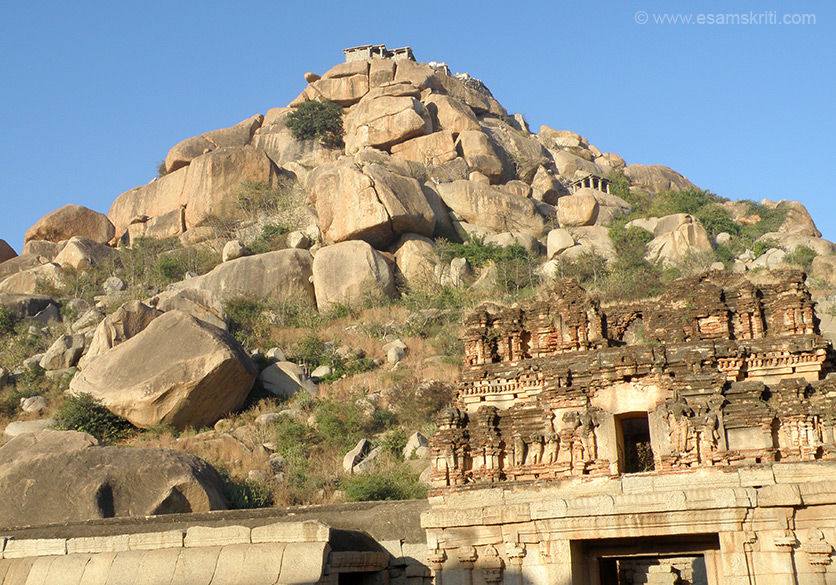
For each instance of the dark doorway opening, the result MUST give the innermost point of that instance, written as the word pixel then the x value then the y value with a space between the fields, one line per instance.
pixel 635 442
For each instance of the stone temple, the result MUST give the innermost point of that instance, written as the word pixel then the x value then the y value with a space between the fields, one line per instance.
pixel 687 439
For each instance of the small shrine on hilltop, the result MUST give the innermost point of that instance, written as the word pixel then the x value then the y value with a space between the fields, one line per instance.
pixel 684 439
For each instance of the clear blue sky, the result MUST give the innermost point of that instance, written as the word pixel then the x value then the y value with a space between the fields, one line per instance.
pixel 94 94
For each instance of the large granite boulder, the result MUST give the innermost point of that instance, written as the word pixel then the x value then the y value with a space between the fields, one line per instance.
pixel 28 281
pixel 57 477
pixel 571 165
pixel 182 153
pixel 24 306
pixel 578 209
pixel 657 178
pixel 462 88
pixel 414 257
pixel 208 186
pixel 476 148
pixel 6 251
pixel 199 303
pixel 450 114
pixel 21 263
pixel 343 84
pixel 347 272
pixel 369 203
pixel 283 275
pixel 69 221
pixel 521 154
pixel 80 253
pixel 386 116
pixel 178 371
pixel 791 241
pixel 798 221
pixel 124 323
pixel 676 236
pixel 431 149
pixel 491 207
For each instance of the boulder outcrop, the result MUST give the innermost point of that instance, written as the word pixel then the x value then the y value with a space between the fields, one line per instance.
pixel 54 477
pixel 283 275
pixel 124 323
pixel 491 207
pixel 346 272
pixel 72 220
pixel 182 153
pixel 656 178
pixel 369 203
pixel 6 251
pixel 178 371
pixel 206 187
pixel 382 119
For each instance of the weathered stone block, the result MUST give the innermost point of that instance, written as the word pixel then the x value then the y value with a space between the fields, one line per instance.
pixel 97 568
pixel 98 544
pixel 216 536
pixel 157 566
pixel 310 531
pixel 261 563
pixel 303 563
pixel 196 566
pixel 779 495
pixel 34 548
pixel 156 540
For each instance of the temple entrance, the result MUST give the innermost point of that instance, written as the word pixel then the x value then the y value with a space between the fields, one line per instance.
pixel 673 560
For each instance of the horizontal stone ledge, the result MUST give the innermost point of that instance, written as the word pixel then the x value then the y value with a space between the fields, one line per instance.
pixel 15 549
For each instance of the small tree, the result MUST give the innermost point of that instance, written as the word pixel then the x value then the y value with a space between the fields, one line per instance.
pixel 317 119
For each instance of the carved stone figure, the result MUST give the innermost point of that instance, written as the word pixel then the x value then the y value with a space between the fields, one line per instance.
pixel 552 445
pixel 536 449
pixel 678 417
pixel 709 434
pixel 519 450
pixel 583 426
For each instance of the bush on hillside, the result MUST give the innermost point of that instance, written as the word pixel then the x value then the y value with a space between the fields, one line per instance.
pixel 322 119
pixel 398 483
pixel 86 414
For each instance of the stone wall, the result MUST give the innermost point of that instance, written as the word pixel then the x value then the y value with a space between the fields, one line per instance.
pixel 226 547
pixel 767 524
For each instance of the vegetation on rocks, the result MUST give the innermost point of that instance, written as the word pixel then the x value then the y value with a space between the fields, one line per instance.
pixel 321 119
pixel 86 414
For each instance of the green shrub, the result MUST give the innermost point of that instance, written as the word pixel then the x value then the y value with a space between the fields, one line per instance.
pixel 394 443
pixel 759 249
pixel 716 219
pixel 630 245
pixel 86 414
pixel 399 483
pixel 161 170
pixel 802 256
pixel 322 119
pixel 246 320
pixel 8 320
pixel 246 494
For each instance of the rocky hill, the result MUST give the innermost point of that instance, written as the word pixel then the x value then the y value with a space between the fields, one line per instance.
pixel 285 300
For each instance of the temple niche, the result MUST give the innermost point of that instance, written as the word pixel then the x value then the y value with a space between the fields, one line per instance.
pixel 685 439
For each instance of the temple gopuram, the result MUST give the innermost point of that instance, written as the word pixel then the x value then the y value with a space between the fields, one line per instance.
pixel 688 439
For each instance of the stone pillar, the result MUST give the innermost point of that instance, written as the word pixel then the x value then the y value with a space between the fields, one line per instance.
pixel 467 558
pixel 774 559
pixel 516 553
pixel 436 558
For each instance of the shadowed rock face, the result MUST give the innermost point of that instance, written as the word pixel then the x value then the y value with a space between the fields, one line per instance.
pixel 54 477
